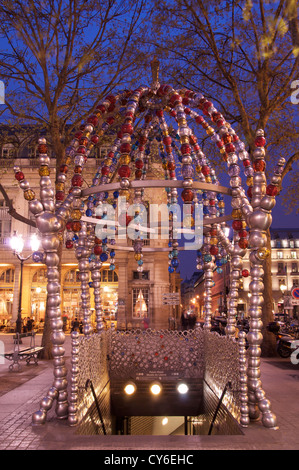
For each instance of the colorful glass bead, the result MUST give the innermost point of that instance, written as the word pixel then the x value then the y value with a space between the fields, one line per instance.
pixel 44 170
pixel 29 195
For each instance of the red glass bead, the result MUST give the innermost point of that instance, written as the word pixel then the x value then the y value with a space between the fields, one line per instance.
pixel 93 120
pixel 69 244
pixel 81 150
pixel 205 170
pixel 125 148
pixel 187 195
pixel 19 176
pixel 213 232
pixel 42 148
pixel 246 162
pixel 249 192
pixel 95 139
pixel 77 180
pixel 199 119
pixel 127 129
pixel 110 120
pixel 69 226
pixel 214 250
pixel 185 149
pixel 159 112
pixel 78 169
pixel 97 250
pixel 105 170
pixel 245 272
pixel 124 171
pixel 172 174
pixel 230 148
pixel 78 135
pixel 243 233
pixel 259 165
pixel 171 166
pixel 139 164
pixel 243 243
pixel 59 195
pixel 101 108
pixel 164 89
pixel 237 225
pixel 111 98
pixel 138 174
pixel 167 140
pixel 76 226
pixel 260 142
pixel 272 190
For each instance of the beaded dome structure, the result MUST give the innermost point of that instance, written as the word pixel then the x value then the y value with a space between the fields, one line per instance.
pixel 73 211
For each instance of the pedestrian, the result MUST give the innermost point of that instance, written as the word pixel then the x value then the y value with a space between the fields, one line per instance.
pixel 184 320
pixel 75 325
pixel 29 324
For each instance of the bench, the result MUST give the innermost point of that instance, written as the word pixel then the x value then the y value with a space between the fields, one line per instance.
pixel 27 353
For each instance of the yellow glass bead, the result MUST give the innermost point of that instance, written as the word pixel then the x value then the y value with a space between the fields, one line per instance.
pixel 29 195
pixel 68 160
pixel 244 225
pixel 164 165
pixel 108 161
pixel 137 256
pixel 263 253
pixel 198 168
pixel 214 241
pixel 44 170
pixel 222 150
pixel 236 214
pixel 125 160
pixel 210 130
pixel 208 179
pixel 76 214
pixel 249 181
pixel 184 139
pixel 125 193
pixel 221 204
pixel 59 186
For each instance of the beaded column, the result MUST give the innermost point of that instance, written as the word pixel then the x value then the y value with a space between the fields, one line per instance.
pixel 82 255
pixel 244 410
pixel 73 399
pixel 259 222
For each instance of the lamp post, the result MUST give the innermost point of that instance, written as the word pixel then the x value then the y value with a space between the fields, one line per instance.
pixel 283 289
pixel 17 245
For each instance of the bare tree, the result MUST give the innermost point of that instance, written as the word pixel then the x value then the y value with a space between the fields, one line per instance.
pixel 59 59
pixel 243 56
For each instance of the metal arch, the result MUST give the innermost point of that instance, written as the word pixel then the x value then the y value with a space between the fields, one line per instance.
pixel 157 184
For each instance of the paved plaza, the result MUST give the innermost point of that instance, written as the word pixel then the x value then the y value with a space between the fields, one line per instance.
pixel 21 392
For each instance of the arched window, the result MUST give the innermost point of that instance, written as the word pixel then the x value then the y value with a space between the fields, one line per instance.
pixel 7 276
pixel 72 276
pixel 40 276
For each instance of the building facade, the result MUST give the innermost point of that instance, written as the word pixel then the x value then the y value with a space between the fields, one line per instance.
pixel 285 276
pixel 129 298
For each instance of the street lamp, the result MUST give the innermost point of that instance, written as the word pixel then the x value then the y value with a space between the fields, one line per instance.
pixel 17 245
pixel 283 289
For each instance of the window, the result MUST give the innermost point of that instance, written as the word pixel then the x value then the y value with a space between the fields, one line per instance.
pixel 280 268
pixel 294 254
pixel 108 276
pixel 8 276
pixel 140 303
pixel 5 222
pixel 8 151
pixel 40 276
pixel 295 282
pixel 72 276
pixel 143 275
pixel 294 268
pixel 279 254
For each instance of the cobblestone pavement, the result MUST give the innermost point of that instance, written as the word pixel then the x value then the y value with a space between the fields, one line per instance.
pixel 21 392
